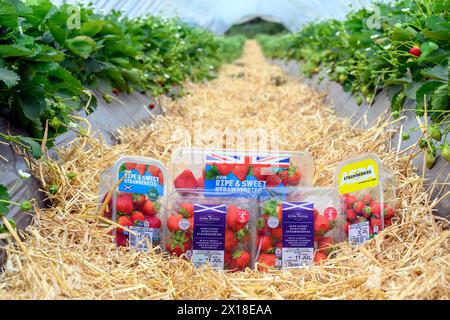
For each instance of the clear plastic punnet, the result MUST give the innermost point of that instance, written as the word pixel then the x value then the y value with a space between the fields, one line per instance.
pixel 227 170
pixel 297 227
pixel 368 190
pixel 211 229
pixel 139 185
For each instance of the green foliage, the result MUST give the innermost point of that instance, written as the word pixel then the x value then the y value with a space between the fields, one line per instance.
pixel 255 27
pixel 46 64
pixel 366 57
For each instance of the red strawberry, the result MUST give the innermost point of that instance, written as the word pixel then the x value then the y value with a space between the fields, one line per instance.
pixel 376 209
pixel 294 176
pixel 415 51
pixel 160 178
pixel 230 240
pixel 387 222
pixel 326 245
pixel 227 258
pixel 375 222
pixel 224 169
pixel 115 91
pixel 121 239
pixel 241 259
pixel 240 171
pixel 370 230
pixel 321 225
pixel 284 175
pixel 277 233
pixel 179 243
pixel 153 222
pixel 351 199
pixel 139 200
pixel 201 182
pixel 388 213
pixel 351 215
pixel 366 212
pixel 140 168
pixel 367 199
pixel 186 210
pixel 151 106
pixel 154 170
pixel 257 174
pixel 316 213
pixel 150 208
pixel 273 180
pixel 124 203
pixel 266 261
pixel 185 179
pixel 358 206
pixel 137 216
pixel 279 245
pixel 264 243
pixel 124 222
pixel 172 222
pixel 130 165
pixel 319 256
pixel 235 221
pixel 262 226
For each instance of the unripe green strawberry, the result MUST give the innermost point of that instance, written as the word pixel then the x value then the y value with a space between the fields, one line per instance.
pixel 435 133
pixel 445 152
pixel 429 160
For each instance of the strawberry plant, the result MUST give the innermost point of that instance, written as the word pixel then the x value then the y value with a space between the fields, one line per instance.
pixel 403 47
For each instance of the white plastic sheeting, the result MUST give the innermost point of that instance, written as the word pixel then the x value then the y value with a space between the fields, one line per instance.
pixel 219 15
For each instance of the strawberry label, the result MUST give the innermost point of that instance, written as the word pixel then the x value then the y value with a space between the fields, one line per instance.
pixel 208 243
pixel 243 216
pixel 298 234
pixel 358 175
pixel 140 181
pixel 330 213
pixel 358 233
pixel 230 172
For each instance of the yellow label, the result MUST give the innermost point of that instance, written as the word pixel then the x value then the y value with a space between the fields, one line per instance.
pixel 358 175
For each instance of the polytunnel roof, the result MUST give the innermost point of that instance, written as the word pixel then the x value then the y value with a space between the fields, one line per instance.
pixel 219 15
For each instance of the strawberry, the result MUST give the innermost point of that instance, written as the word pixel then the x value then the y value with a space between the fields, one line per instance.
pixel 376 209
pixel 388 213
pixel 115 91
pixel 230 240
pixel 240 171
pixel 367 199
pixel 321 225
pixel 138 200
pixel 224 168
pixel 319 256
pixel 366 212
pixel 326 245
pixel 186 210
pixel 179 243
pixel 273 180
pixel 160 178
pixel 277 233
pixel 279 245
pixel 130 165
pixel 266 261
pixel 124 203
pixel 358 206
pixel 351 199
pixel 243 235
pixel 264 243
pixel 185 179
pixel 415 51
pixel 387 222
pixel 153 222
pixel 351 215
pixel 227 258
pixel 121 239
pixel 284 175
pixel 154 170
pixel 137 216
pixel 273 209
pixel 361 219
pixel 241 259
pixel 140 168
pixel 262 226
pixel 124 221
pixel 150 208
pixel 201 182
pixel 257 174
pixel 235 221
pixel 294 175
pixel 316 213
pixel 375 222
pixel 151 106
pixel 370 230
pixel 172 222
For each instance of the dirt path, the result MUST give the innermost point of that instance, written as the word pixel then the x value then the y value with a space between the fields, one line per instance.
pixel 70 255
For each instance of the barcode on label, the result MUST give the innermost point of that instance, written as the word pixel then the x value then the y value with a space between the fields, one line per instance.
pixel 358 233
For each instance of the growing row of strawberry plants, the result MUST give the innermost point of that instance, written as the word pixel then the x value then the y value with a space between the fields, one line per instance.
pixel 402 46
pixel 52 57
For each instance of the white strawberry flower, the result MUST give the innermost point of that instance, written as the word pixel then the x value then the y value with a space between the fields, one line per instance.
pixel 23 175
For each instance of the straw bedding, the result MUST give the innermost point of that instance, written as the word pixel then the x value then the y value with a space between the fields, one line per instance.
pixel 67 252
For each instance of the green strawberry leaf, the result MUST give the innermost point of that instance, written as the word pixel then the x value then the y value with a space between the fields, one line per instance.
pixel 10 78
pixel 4 198
pixel 82 46
pixel 212 173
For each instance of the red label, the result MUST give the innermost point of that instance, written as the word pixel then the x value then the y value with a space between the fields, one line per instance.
pixel 330 213
pixel 243 216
